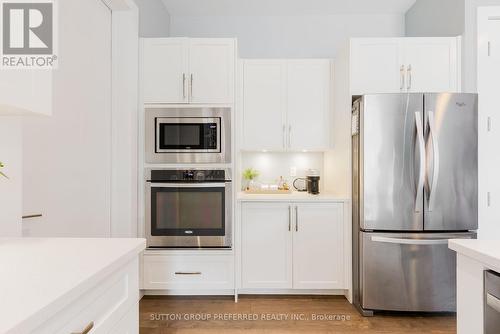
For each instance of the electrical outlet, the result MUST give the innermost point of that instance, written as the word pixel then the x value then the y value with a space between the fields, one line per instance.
pixel 293 171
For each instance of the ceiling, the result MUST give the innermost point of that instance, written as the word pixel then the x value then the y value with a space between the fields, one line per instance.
pixel 284 7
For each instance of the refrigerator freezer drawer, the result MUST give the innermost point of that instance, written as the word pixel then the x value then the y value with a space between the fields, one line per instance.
pixel 408 271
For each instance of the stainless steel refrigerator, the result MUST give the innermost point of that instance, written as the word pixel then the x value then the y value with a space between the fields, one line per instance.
pixel 414 187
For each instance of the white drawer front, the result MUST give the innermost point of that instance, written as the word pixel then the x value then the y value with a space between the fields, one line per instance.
pixel 103 306
pixel 188 272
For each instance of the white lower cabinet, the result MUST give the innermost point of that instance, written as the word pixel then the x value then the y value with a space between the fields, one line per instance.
pixel 188 272
pixel 109 307
pixel 292 245
pixel 266 246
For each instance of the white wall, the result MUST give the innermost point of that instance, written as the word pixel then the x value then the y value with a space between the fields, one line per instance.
pixel 430 18
pixel 288 36
pixel 11 189
pixel 67 157
pixel 154 19
pixel 272 165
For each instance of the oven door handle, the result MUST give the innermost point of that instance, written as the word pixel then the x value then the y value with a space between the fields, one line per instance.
pixel 188 185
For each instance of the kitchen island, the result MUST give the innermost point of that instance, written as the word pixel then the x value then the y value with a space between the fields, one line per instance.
pixel 69 285
pixel 474 257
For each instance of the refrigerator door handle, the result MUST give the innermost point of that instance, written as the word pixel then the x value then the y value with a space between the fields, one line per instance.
pixel 421 173
pixel 403 241
pixel 435 158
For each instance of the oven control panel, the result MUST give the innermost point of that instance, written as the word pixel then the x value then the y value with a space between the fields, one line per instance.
pixel 188 175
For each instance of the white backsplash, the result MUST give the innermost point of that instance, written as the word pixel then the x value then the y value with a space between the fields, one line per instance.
pixel 272 165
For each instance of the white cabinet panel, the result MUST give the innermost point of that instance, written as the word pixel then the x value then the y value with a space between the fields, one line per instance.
pixel 292 245
pixel 376 66
pixel 433 63
pixel 211 67
pixel 264 104
pixel 165 70
pixel 129 323
pixel 266 246
pixel 318 257
pixel 308 100
pixel 191 272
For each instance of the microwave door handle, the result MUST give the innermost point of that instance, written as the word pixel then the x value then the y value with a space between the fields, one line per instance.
pixel 188 185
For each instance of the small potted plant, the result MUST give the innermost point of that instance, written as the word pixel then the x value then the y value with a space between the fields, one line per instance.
pixel 250 175
pixel 1 173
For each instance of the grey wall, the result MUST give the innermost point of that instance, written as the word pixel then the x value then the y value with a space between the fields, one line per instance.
pixel 429 18
pixel 154 19
pixel 289 36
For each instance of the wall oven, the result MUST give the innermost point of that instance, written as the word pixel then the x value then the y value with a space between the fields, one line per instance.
pixel 189 208
pixel 188 135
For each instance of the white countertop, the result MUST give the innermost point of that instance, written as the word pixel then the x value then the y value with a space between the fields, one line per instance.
pixel 39 277
pixel 486 252
pixel 294 197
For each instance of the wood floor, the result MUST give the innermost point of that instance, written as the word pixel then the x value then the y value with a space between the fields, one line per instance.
pixel 162 315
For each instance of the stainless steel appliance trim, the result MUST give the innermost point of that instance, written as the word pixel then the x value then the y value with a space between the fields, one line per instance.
pixel 435 157
pixel 421 173
pixel 188 185
pixel 493 302
pixel 404 241
pixel 222 156
pixel 177 120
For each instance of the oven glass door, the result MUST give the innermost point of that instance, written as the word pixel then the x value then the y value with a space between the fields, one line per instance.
pixel 188 135
pixel 188 209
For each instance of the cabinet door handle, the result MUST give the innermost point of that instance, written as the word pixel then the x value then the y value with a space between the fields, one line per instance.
pixel 408 87
pixel 402 77
pixel 289 218
pixel 191 85
pixel 38 215
pixel 284 136
pixel 87 329
pixel 289 136
pixel 296 219
pixel 184 85
pixel 188 272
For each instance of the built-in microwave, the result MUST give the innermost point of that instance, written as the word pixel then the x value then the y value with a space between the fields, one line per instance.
pixel 188 135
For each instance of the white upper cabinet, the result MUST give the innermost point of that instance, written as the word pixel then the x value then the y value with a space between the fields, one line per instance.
pixel 308 99
pixel 184 70
pixel 432 64
pixel 286 104
pixel 394 65
pixel 211 67
pixel 264 104
pixel 376 65
pixel 165 70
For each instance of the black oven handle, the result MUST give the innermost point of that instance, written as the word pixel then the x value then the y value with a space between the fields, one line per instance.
pixel 189 185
